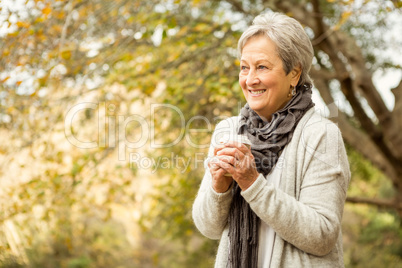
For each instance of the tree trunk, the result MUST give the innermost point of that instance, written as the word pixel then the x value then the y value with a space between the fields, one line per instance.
pixel 378 139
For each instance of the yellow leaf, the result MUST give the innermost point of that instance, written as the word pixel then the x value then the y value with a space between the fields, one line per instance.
pixel 346 15
pixel 60 15
pixel 6 52
pixel 201 27
pixel 46 10
pixel 14 34
pixel 39 19
pixel 66 54
pixel 182 31
pixel 5 79
pixel 18 83
pixel 22 24
pixel 57 28
pixel 42 81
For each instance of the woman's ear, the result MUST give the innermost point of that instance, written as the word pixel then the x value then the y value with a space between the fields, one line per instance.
pixel 295 75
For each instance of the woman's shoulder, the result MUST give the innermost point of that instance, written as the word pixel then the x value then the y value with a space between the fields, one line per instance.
pixel 315 124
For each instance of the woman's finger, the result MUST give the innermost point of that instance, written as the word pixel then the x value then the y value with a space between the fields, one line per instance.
pixel 240 146
pixel 228 159
pixel 213 164
pixel 217 148
pixel 228 167
pixel 231 151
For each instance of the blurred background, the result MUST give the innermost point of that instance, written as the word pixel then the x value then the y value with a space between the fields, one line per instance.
pixel 107 110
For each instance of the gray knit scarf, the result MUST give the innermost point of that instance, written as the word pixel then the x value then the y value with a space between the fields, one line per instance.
pixel 268 141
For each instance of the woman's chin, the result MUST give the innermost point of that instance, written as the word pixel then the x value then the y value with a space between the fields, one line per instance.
pixel 257 107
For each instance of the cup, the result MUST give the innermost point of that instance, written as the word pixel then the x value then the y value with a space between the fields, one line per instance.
pixel 238 138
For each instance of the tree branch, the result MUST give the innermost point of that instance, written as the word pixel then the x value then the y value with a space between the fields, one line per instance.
pixel 348 62
pixel 355 137
pixel 65 26
pixel 362 76
pixel 297 11
pixel 397 91
pixel 362 81
pixel 322 37
pixel 348 89
pixel 322 74
pixel 238 6
pixel 395 137
pixel 321 27
pixel 347 83
pixel 376 202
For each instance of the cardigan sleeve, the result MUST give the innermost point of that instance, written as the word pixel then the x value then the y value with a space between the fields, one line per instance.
pixel 211 209
pixel 307 212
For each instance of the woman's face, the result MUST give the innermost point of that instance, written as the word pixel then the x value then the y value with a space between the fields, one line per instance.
pixel 262 78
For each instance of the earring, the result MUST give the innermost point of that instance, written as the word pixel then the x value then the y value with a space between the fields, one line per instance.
pixel 293 90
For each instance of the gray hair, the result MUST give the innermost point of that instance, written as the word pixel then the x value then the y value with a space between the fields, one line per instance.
pixel 292 43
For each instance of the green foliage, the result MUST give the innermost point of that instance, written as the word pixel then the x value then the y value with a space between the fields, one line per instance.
pixel 89 242
pixel 82 262
pixel 10 261
pixel 367 180
pixel 372 236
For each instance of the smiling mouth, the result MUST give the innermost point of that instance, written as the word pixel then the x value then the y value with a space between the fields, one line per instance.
pixel 257 92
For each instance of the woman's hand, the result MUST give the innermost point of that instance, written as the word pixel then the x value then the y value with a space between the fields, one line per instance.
pixel 220 182
pixel 237 159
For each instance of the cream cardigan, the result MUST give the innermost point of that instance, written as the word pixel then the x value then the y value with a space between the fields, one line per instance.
pixel 305 212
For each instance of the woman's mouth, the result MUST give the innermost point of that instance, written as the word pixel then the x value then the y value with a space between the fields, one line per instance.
pixel 257 92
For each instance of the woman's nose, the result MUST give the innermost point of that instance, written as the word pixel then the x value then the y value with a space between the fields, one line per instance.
pixel 252 79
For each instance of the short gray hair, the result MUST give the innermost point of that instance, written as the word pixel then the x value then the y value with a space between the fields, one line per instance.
pixel 292 43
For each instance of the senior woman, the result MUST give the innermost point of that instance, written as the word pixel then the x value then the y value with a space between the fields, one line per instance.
pixel 282 203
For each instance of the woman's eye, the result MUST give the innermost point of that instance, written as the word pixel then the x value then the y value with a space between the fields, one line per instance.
pixel 262 67
pixel 243 68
